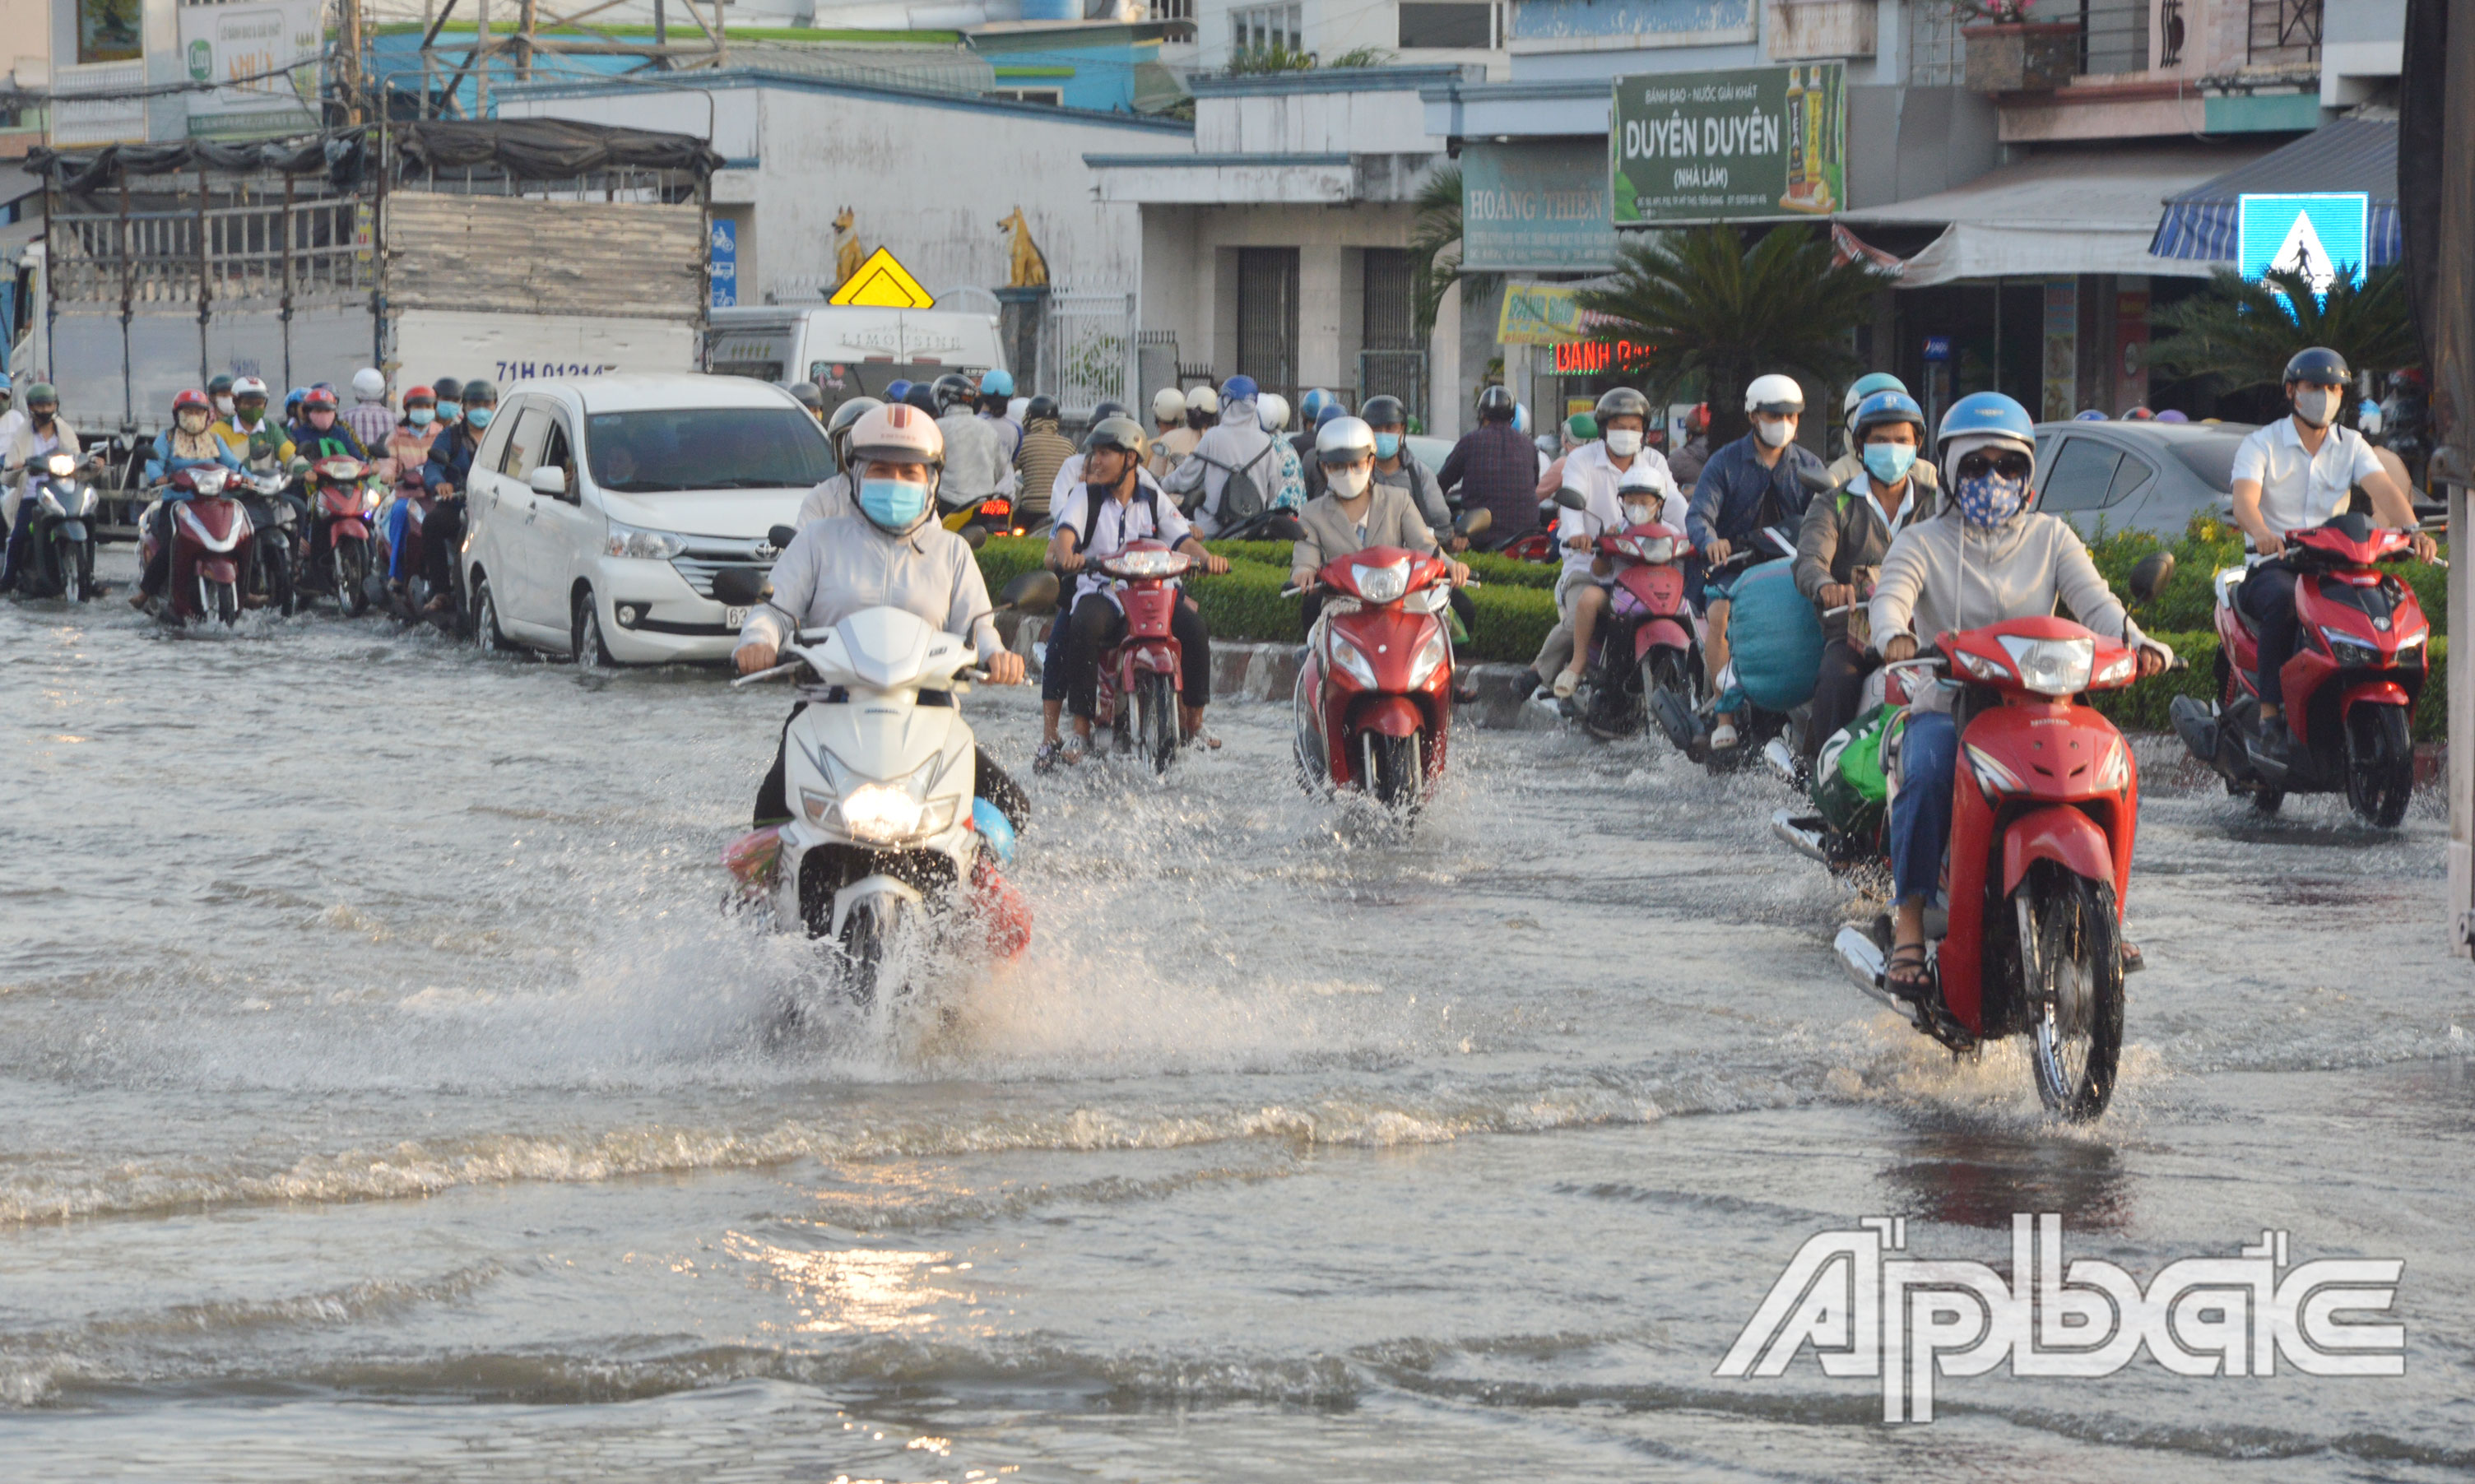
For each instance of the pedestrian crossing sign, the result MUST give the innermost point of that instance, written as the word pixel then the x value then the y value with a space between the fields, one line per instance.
pixel 2318 235
pixel 882 283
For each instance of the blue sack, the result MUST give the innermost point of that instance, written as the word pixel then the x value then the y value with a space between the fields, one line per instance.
pixel 1775 637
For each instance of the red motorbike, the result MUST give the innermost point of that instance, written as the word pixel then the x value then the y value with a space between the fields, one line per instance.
pixel 1139 677
pixel 1657 673
pixel 338 559
pixel 1374 699
pixel 211 546
pixel 2047 803
pixel 2350 688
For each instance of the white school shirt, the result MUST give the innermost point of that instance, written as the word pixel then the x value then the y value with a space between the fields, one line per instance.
pixel 1119 525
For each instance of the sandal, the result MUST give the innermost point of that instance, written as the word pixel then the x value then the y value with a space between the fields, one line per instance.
pixel 1566 683
pixel 1908 975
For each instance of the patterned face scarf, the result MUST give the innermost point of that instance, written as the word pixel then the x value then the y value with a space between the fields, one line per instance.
pixel 1989 501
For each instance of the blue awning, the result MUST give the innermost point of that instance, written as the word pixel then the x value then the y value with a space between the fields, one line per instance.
pixel 2349 155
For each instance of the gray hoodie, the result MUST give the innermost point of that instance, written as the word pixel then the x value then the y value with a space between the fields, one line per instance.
pixel 1942 576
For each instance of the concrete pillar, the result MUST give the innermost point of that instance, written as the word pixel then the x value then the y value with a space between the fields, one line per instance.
pixel 1320 297
pixel 1445 398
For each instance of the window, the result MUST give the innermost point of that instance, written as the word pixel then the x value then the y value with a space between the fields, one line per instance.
pixel 1267 28
pixel 2082 474
pixel 706 449
pixel 522 448
pixel 1454 23
pixel 555 454
pixel 2129 479
pixel 761 354
pixel 1053 97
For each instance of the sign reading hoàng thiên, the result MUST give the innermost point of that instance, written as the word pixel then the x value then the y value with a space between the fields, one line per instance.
pixel 1748 145
pixel 1533 207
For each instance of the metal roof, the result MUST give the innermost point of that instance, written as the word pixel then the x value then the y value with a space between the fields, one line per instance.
pixel 2348 155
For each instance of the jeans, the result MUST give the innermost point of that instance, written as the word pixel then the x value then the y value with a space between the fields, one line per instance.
pixel 158 570
pixel 989 782
pixel 1057 663
pixel 2267 594
pixel 1838 688
pixel 1920 812
pixel 440 536
pixel 1099 623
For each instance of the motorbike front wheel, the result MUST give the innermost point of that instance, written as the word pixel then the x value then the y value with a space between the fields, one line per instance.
pixel 76 571
pixel 864 941
pixel 1667 695
pixel 219 601
pixel 2380 763
pixel 275 572
pixel 2075 990
pixel 1390 770
pixel 1156 718
pixel 351 577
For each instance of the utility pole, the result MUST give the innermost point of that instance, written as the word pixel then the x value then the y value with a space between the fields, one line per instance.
pixel 348 74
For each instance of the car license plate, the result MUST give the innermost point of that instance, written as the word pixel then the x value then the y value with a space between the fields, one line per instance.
pixel 735 618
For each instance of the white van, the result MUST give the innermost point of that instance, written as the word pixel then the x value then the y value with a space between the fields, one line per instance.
pixel 600 510
pixel 851 351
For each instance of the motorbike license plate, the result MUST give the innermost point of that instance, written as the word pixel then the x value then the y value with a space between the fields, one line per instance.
pixel 734 617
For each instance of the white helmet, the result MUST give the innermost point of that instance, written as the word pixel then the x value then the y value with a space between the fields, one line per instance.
pixel 1773 393
pixel 1344 440
pixel 1272 409
pixel 1203 398
pixel 1638 477
pixel 898 433
pixel 1168 405
pixel 369 384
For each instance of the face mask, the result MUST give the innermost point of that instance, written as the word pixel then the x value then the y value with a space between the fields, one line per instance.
pixel 1348 480
pixel 224 405
pixel 897 505
pixel 1387 445
pixel 1990 500
pixel 451 412
pixel 1889 462
pixel 41 417
pixel 479 417
pixel 419 417
pixel 194 422
pixel 248 418
pixel 1775 435
pixel 1640 513
pixel 1624 442
pixel 2316 405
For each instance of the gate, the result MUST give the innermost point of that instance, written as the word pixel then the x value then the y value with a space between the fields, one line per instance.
pixel 1391 359
pixel 1267 318
pixel 1086 351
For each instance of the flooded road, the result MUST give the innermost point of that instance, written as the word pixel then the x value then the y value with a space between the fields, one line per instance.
pixel 387 1096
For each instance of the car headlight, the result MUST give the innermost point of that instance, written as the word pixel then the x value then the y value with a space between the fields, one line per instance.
pixel 1349 657
pixel 1382 584
pixel 2052 666
pixel 1431 655
pixel 644 545
pixel 2352 654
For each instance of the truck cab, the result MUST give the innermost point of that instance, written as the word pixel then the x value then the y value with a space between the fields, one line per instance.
pixel 849 351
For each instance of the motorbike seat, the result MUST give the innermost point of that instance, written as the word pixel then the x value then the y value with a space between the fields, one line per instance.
pixel 2227 580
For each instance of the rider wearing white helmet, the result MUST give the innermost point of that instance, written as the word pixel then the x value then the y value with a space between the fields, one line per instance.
pixel 888 551
pixel 369 417
pixel 1172 439
pixel 1753 485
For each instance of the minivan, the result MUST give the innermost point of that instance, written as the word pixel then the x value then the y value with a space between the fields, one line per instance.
pixel 600 510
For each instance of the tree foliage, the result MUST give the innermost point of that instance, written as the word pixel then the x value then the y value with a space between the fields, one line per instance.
pixel 1435 248
pixel 1706 301
pixel 2239 334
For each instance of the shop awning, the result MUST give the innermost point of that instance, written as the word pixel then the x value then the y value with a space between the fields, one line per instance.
pixel 2349 155
pixel 2053 215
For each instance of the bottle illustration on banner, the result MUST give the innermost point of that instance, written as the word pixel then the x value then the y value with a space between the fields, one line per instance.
pixel 1809 102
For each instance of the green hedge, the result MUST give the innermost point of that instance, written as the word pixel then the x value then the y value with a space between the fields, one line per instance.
pixel 2143 705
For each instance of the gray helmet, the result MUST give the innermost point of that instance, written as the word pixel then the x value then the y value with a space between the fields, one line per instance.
pixel 477 390
pixel 951 390
pixel 839 425
pixel 1384 411
pixel 1118 431
pixel 1621 401
pixel 809 396
pixel 1495 403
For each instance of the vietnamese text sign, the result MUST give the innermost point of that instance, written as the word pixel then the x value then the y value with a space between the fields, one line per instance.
pixel 2316 234
pixel 1760 142
pixel 1535 208
pixel 1538 314
pixel 275 45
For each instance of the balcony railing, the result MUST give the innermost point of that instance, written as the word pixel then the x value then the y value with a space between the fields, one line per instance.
pixel 2285 31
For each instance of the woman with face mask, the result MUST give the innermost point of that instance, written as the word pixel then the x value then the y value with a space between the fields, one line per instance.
pixel 1356 511
pixel 1982 557
pixel 190 442
pixel 1842 541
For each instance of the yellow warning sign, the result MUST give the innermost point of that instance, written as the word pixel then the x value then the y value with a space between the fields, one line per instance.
pixel 882 283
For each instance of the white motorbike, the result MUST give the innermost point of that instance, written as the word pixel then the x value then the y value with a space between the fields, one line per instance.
pixel 878 770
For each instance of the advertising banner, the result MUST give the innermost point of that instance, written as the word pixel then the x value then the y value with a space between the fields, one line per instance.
pixel 1755 144
pixel 271 50
pixel 1534 208
pixel 1538 314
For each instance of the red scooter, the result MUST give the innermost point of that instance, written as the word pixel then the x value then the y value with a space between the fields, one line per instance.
pixel 211 546
pixel 2350 688
pixel 1374 699
pixel 338 558
pixel 1139 677
pixel 1661 676
pixel 2047 803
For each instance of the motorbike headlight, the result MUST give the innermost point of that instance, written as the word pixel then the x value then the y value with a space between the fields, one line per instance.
pixel 1660 551
pixel 2120 669
pixel 62 465
pixel 881 814
pixel 370 500
pixel 1431 655
pixel 2052 666
pixel 1382 584
pixel 1349 657
pixel 2409 650
pixel 2352 654
pixel 644 545
pixel 1982 667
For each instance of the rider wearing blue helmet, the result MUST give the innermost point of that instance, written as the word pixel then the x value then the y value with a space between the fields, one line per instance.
pixel 1985 555
pixel 1843 540
pixel 1850 465
pixel 1238 447
pixel 996 394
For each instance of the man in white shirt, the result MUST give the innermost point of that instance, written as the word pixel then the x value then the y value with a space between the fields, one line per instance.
pixel 1599 470
pixel 2292 474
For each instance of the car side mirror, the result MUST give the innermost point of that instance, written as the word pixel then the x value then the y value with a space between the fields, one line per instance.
pixel 2149 577
pixel 1473 522
pixel 781 537
pixel 1572 498
pixel 549 480
pixel 1032 592
pixel 738 587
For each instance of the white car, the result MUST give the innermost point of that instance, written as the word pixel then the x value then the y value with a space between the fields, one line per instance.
pixel 600 510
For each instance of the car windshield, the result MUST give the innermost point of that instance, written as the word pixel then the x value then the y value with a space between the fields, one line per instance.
pixel 705 449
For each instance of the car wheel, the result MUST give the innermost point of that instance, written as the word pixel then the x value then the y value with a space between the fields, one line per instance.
pixel 485 617
pixel 591 651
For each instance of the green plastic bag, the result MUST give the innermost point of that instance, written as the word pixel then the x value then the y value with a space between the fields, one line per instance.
pixel 1850 783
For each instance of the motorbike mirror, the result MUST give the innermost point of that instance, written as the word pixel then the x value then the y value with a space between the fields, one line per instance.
pixel 975 536
pixel 1814 483
pixel 2150 576
pixel 781 537
pixel 1033 592
pixel 1474 523
pixel 1572 498
pixel 738 587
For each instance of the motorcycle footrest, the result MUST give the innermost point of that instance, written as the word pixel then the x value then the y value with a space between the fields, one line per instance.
pixel 1807 835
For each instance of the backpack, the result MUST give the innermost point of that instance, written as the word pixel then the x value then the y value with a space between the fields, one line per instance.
pixel 1242 498
pixel 1091 498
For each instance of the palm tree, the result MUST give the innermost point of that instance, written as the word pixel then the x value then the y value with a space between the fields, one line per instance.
pixel 2237 333
pixel 1704 302
pixel 1435 248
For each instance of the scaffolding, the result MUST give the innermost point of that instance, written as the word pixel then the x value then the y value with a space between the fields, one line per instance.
pixel 541 32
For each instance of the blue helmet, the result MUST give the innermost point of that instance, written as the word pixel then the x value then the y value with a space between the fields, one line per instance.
pixel 1867 385
pixel 1330 410
pixel 1311 407
pixel 1239 388
pixel 1990 413
pixel 1892 406
pixel 997 383
pixel 894 391
pixel 2088 415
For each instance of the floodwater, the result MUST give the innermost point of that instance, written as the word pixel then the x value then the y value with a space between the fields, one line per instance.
pixel 387 1096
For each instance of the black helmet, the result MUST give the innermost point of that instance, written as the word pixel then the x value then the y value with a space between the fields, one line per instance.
pixel 478 391
pixel 922 396
pixel 1385 412
pixel 1495 403
pixel 1104 411
pixel 2319 366
pixel 1040 408
pixel 1118 431
pixel 951 389
pixel 1621 401
pixel 220 386
pixel 448 389
pixel 809 396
